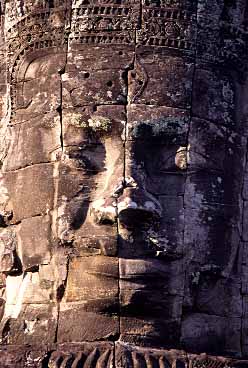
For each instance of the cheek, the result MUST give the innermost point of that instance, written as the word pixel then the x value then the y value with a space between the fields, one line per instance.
pixel 165 171
pixel 210 188
pixel 113 165
pixel 166 184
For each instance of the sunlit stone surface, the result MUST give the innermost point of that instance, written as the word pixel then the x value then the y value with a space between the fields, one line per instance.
pixel 123 184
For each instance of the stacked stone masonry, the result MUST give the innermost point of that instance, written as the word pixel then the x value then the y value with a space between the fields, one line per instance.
pixel 123 183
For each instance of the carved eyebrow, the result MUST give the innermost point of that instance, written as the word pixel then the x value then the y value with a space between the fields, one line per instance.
pixel 161 127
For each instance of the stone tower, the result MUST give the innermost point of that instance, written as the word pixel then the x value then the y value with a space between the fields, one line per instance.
pixel 123 183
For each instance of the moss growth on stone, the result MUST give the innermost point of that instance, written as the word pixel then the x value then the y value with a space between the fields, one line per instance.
pixel 100 123
pixel 76 120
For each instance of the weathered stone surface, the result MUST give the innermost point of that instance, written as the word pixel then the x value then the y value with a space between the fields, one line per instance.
pixel 134 356
pixel 211 292
pixel 222 32
pixel 27 191
pixel 13 357
pixel 216 92
pixel 87 355
pixel 34 141
pixel 204 332
pixel 123 183
pixel 93 283
pixel 92 78
pixel 157 83
pixel 244 325
pixel 8 248
pixel 107 355
pixel 93 280
pixel 34 241
pixel 33 324
pixel 95 326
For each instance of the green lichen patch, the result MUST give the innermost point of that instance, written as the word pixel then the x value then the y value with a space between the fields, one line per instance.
pixel 100 124
pixel 76 119
pixel 96 123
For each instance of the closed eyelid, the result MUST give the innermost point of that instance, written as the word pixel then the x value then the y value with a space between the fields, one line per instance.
pixel 208 160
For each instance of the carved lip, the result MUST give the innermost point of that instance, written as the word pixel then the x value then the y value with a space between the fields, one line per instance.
pixel 132 270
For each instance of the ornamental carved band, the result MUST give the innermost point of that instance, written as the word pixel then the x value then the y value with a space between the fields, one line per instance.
pixel 123 183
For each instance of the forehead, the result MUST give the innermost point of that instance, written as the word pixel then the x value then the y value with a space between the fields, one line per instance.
pixel 107 40
pixel 139 56
pixel 156 94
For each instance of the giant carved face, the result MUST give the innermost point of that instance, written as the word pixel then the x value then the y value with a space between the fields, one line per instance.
pixel 122 187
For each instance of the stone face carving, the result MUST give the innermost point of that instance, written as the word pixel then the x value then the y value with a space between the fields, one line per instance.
pixel 123 189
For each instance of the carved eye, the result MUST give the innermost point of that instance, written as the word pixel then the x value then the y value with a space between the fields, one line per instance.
pixel 83 161
pixel 173 161
pixel 87 164
pixel 166 164
pixel 203 162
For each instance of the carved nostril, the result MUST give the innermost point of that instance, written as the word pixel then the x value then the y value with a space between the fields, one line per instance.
pixel 131 218
pixel 137 207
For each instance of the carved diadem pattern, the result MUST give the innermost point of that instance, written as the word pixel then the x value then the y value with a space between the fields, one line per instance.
pixel 166 26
